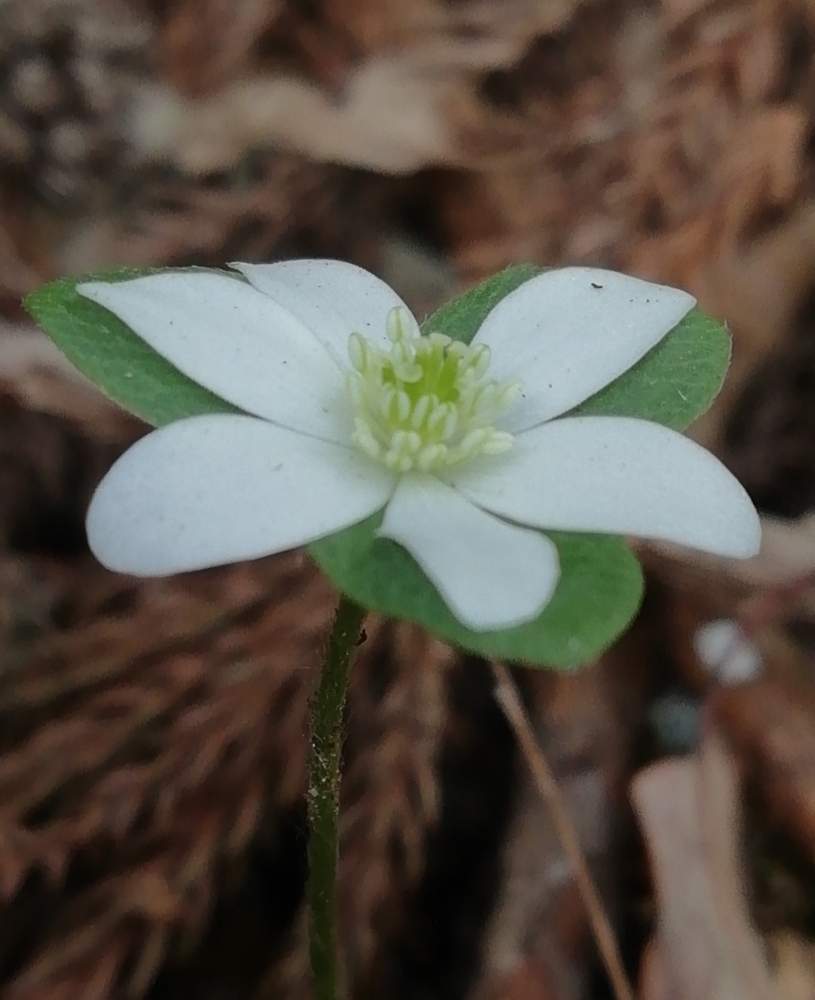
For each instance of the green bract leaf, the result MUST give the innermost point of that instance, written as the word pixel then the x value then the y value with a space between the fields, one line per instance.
pixel 461 317
pixel 114 358
pixel 598 594
pixel 675 382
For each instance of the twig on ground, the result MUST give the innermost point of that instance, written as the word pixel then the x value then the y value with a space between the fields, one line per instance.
pixel 508 698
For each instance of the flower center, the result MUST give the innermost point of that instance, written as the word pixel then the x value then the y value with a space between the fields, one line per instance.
pixel 425 403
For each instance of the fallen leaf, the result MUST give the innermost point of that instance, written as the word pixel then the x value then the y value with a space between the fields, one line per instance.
pixel 705 946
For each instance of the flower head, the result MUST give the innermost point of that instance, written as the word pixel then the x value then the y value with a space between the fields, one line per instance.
pixel 348 409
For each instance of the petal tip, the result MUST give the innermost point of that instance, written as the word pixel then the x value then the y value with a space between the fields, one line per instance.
pixel 743 539
pixel 491 575
pixel 90 289
pixel 104 534
pixel 503 624
pixel 750 543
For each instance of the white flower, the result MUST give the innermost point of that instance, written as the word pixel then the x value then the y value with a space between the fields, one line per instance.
pixel 466 448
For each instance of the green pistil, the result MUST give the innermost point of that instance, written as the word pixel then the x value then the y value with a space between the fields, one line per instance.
pixel 425 403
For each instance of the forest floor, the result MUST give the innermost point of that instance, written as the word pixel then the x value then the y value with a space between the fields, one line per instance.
pixel 152 734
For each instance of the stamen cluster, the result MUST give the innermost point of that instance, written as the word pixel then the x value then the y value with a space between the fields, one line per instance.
pixel 425 403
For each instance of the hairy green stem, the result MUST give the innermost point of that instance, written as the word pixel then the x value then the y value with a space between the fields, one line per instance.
pixel 324 799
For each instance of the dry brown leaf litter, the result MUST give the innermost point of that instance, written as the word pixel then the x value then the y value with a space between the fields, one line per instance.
pixel 153 746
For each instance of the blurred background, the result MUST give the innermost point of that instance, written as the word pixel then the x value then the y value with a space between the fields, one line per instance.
pixel 152 735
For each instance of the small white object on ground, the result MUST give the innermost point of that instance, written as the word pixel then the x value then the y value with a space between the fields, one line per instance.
pixel 727 652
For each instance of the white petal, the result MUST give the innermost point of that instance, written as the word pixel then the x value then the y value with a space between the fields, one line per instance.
pixel 567 333
pixel 330 297
pixel 492 575
pixel 618 475
pixel 240 344
pixel 219 489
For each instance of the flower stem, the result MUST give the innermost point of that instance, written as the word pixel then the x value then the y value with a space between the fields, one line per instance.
pixel 324 799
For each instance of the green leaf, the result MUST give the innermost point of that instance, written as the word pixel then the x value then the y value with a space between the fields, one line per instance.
pixel 599 592
pixel 461 317
pixel 675 382
pixel 112 356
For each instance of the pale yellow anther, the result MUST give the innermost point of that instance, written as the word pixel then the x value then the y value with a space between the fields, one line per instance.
pixel 425 402
pixel 440 420
pixel 431 456
pixel 480 360
pixel 435 340
pixel 421 408
pixel 498 443
pixel 509 394
pixel 357 351
pixel 485 398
